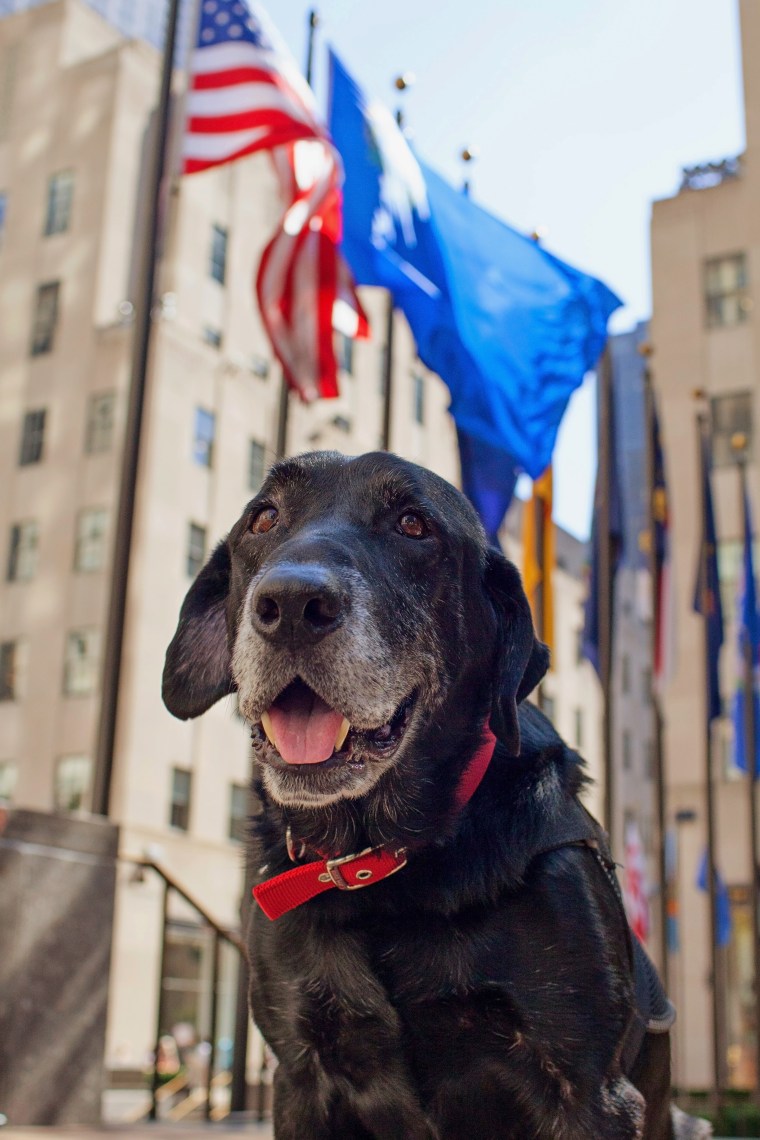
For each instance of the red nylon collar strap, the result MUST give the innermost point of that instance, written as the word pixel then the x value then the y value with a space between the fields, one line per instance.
pixel 351 872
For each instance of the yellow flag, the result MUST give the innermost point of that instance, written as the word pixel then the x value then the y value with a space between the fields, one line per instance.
pixel 539 556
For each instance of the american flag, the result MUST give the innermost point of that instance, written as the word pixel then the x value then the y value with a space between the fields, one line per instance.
pixel 635 891
pixel 245 95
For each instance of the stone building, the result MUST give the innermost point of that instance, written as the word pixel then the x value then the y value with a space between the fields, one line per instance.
pixel 706 339
pixel 75 109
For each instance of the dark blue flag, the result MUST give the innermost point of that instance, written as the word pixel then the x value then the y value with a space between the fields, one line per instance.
pixel 748 634
pixel 707 590
pixel 722 901
pixel 489 478
pixel 591 640
pixel 510 329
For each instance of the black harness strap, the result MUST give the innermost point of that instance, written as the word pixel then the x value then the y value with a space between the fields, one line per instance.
pixel 653 1012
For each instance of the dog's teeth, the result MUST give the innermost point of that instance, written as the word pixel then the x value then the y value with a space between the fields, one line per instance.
pixel 266 724
pixel 343 732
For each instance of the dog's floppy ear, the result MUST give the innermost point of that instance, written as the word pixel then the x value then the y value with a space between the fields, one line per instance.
pixel 197 670
pixel 521 659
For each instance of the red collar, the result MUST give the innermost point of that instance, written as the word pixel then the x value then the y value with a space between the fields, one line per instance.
pixel 351 872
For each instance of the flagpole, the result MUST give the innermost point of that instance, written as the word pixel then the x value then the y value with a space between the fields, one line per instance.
pixel 401 83
pixel 283 405
pixel 656 627
pixel 604 396
pixel 703 430
pixel 141 347
pixel 739 445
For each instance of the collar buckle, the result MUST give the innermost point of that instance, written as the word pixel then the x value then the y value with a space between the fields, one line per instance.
pixel 364 876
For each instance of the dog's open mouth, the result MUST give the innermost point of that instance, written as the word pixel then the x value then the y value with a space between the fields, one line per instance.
pixel 304 729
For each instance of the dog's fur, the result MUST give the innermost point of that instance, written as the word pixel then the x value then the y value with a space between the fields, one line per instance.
pixel 485 990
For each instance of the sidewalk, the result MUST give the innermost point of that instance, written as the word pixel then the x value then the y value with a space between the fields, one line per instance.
pixel 242 1128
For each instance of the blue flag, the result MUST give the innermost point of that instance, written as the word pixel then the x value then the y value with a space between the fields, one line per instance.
pixel 722 901
pixel 489 478
pixel 748 634
pixel 591 639
pixel 509 328
pixel 707 590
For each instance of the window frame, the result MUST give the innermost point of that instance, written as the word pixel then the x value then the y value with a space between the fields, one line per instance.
pixel 31 449
pixel 22 555
pixel 219 248
pixel 59 202
pixel 716 299
pixel 179 807
pixel 94 541
pixel 256 461
pixel 204 437
pixel 45 318
pixel 85 666
pixel 99 432
pixel 194 562
pixel 85 789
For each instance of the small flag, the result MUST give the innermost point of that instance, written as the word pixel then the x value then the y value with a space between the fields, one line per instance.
pixel 748 634
pixel 635 890
pixel 591 640
pixel 707 589
pixel 245 95
pixel 539 555
pixel 664 602
pixel 722 901
pixel 671 887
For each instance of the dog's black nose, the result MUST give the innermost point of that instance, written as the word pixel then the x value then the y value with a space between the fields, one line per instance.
pixel 297 604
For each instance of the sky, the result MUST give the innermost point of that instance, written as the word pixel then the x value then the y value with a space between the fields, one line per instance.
pixel 582 112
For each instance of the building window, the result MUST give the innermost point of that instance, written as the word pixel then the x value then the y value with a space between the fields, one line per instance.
pixel 80 666
pixel 418 397
pixel 218 259
pixel 45 318
pixel 8 777
pixel 22 552
pixel 345 353
pixel 100 422
pixel 731 415
pixel 212 336
pixel 90 550
pixel 59 199
pixel 239 813
pixel 580 656
pixel 11 669
pixel 203 437
pixel 646 684
pixel 32 437
pixel 256 464
pixel 627 750
pixel 342 423
pixel 179 808
pixel 3 213
pixel 579 728
pixel 726 294
pixel 196 548
pixel 547 707
pixel 72 783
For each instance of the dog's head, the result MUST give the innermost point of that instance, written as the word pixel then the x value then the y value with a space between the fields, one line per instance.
pixel 354 606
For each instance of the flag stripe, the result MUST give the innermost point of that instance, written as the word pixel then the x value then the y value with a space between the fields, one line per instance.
pixel 245 97
pixel 241 121
pixel 232 76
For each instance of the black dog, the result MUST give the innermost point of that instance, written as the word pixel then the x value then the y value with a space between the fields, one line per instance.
pixel 486 990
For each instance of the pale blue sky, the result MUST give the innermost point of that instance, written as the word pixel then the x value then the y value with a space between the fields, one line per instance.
pixel 583 112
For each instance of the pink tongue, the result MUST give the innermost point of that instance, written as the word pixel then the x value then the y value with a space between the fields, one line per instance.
pixel 304 727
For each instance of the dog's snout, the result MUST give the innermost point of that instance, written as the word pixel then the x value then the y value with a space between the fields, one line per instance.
pixel 297 604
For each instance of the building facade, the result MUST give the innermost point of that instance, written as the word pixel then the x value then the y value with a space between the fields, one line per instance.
pixel 706 342
pixel 75 115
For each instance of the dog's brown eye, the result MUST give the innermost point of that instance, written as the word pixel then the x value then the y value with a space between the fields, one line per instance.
pixel 264 520
pixel 412 525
